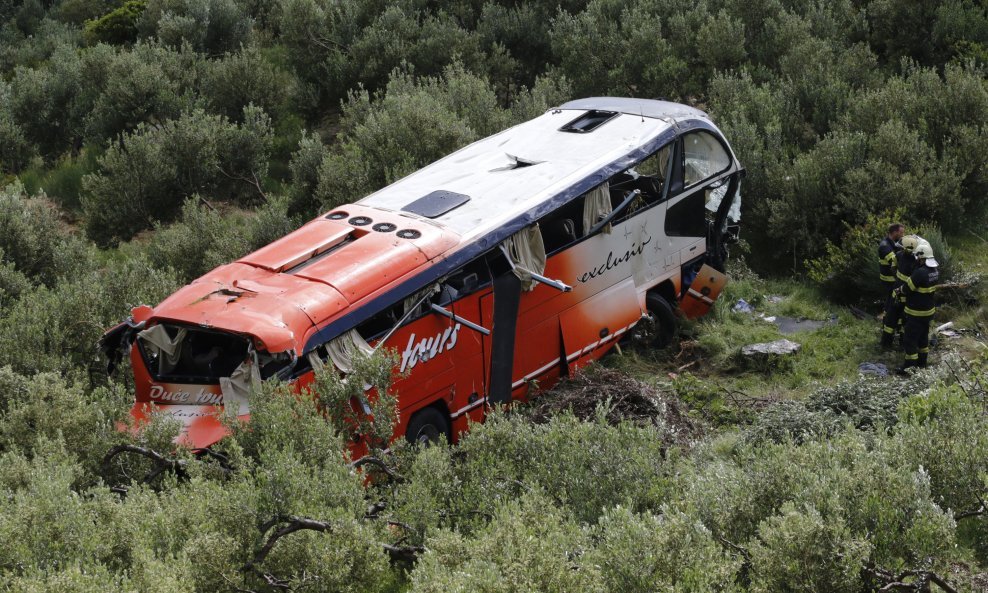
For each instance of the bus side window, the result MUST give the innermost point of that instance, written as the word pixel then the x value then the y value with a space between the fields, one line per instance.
pixel 468 279
pixel 648 177
pixel 563 226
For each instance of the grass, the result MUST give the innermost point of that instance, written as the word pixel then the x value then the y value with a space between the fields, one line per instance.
pixel 706 365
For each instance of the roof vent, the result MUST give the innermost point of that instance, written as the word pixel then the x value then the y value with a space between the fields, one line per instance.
pixel 589 121
pixel 437 203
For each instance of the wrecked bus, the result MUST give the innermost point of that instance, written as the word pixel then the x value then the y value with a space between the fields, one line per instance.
pixel 509 263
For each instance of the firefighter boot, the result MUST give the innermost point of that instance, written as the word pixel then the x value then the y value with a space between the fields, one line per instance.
pixel 888 333
pixel 924 354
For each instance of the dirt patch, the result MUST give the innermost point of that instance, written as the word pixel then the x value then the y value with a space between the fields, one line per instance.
pixel 622 398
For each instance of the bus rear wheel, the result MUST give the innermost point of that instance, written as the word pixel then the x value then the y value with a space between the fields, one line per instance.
pixel 427 426
pixel 662 321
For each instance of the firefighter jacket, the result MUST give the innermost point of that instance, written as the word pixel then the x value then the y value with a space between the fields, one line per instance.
pixel 905 264
pixel 886 260
pixel 919 291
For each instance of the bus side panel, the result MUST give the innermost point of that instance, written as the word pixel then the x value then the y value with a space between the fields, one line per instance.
pixel 598 322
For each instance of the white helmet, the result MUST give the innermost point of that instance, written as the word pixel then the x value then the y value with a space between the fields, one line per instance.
pixel 911 242
pixel 925 251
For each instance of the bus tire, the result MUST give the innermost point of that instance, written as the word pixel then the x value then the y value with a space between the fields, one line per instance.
pixel 427 426
pixel 663 318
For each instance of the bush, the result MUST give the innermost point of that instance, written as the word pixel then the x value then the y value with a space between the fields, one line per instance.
pixel 15 149
pixel 244 78
pixel 530 545
pixel 116 27
pixel 212 27
pixel 799 550
pixel 848 272
pixel 146 177
pixel 128 88
pixel 45 102
pixel 31 234
pixel 667 552
pixel 56 329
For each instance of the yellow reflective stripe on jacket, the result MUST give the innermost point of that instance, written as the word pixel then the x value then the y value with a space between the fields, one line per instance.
pixel 909 282
pixel 924 289
pixel 901 276
pixel 916 313
pixel 885 278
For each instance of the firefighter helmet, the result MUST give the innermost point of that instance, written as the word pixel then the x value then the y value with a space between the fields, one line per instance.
pixel 910 243
pixel 925 251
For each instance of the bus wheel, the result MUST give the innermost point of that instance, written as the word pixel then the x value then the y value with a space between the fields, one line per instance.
pixel 663 320
pixel 427 426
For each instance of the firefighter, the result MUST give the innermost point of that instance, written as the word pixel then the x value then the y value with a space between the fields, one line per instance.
pixel 919 290
pixel 887 248
pixel 905 263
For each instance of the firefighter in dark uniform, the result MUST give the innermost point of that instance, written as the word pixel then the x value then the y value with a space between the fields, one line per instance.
pixel 887 249
pixel 905 263
pixel 919 290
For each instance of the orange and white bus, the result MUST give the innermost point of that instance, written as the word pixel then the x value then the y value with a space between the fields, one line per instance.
pixel 514 260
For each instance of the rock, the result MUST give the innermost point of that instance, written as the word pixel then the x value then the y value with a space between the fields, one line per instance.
pixel 777 348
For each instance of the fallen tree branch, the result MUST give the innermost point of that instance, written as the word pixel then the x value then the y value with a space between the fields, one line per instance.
pixel 376 462
pixel 921 579
pixel 293 524
pixel 161 463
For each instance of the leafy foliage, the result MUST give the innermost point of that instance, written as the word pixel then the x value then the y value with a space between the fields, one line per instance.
pixel 146 177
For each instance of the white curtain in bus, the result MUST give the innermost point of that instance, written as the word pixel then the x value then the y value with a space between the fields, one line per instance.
pixel 162 345
pixel 344 348
pixel 421 295
pixel 527 253
pixel 597 205
pixel 316 361
pixel 236 388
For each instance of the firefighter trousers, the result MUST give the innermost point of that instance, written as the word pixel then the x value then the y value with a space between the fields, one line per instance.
pixel 916 340
pixel 892 319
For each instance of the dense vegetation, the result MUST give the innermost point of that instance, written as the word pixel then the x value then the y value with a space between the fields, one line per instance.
pixel 143 142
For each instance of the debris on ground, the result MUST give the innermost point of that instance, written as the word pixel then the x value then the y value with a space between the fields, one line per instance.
pixel 786 325
pixel 742 306
pixel 781 347
pixel 875 369
pixel 625 400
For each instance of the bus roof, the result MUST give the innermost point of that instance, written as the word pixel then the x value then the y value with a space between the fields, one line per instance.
pixel 515 170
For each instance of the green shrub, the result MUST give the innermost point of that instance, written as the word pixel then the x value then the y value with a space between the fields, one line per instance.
pixel 204 239
pixel 530 545
pixel 56 329
pixel 128 88
pixel 212 27
pixel 244 78
pixel 31 234
pixel 116 27
pixel 848 272
pixel 667 552
pixel 799 550
pixel 146 177
pixel 46 104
